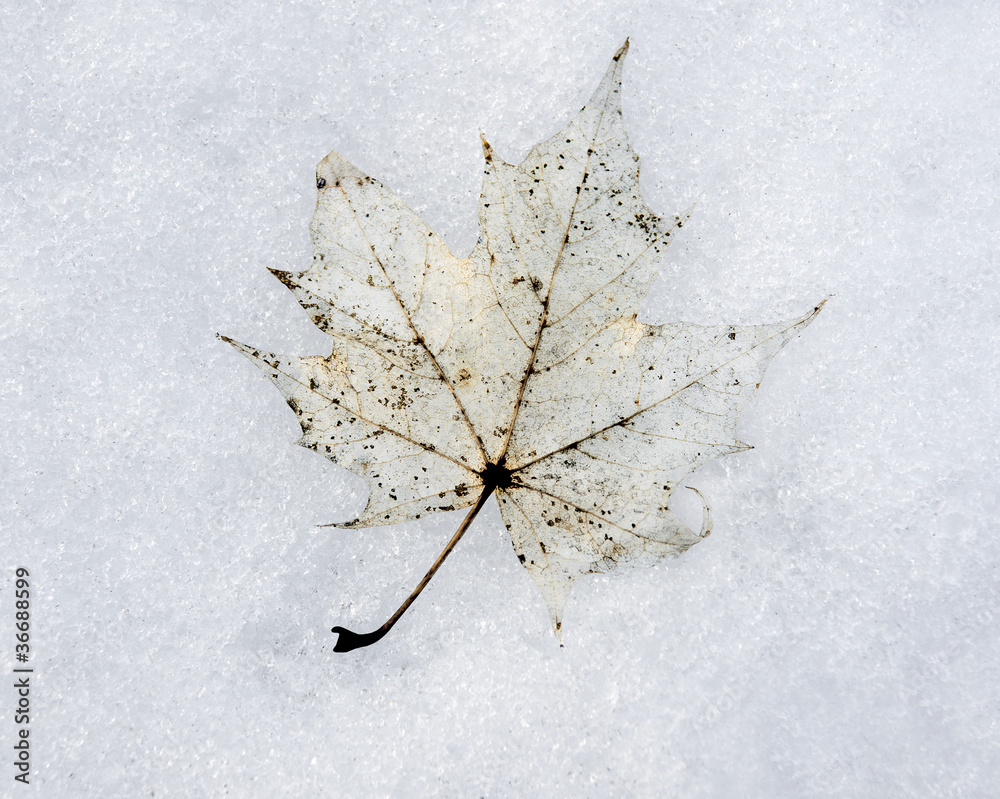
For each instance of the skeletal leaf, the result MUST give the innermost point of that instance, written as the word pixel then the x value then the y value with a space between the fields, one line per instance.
pixel 521 369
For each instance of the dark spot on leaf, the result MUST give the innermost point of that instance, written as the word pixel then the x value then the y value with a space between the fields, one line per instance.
pixel 496 475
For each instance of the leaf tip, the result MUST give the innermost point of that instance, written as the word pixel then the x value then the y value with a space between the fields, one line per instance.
pixel 284 277
pixel 231 341
pixel 487 149
pixel 341 525
pixel 621 51
pixel 807 319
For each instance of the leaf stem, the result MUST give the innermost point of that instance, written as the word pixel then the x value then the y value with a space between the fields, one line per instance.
pixel 349 640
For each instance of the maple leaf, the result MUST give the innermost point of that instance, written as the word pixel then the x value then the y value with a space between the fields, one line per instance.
pixel 522 369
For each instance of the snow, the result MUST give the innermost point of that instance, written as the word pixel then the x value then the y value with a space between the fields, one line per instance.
pixel 836 636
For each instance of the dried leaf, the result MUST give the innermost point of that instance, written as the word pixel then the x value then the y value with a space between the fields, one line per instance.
pixel 521 368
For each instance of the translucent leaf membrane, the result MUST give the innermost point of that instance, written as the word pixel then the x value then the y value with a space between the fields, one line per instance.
pixel 522 368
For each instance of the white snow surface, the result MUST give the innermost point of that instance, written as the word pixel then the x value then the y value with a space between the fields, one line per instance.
pixel 838 635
